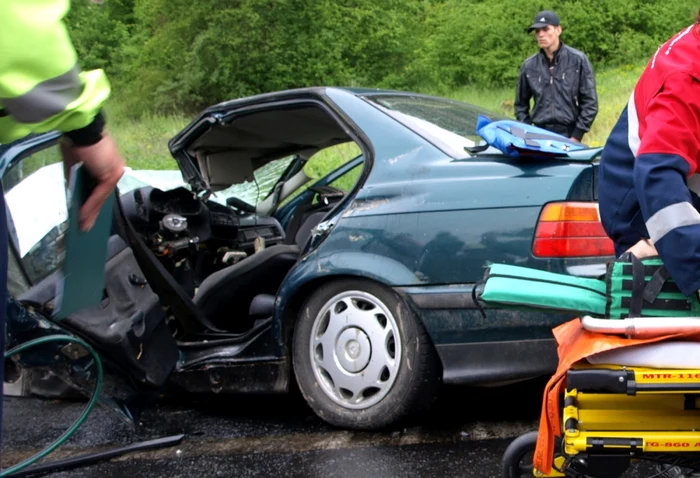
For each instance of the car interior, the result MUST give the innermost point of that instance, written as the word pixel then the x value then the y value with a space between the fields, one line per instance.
pixel 216 267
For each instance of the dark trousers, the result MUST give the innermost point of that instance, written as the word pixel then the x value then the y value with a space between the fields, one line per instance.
pixel 3 296
pixel 562 129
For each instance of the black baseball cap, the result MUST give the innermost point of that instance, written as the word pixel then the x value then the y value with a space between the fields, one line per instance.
pixel 543 19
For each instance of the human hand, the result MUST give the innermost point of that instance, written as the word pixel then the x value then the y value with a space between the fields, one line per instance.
pixel 105 164
pixel 574 140
pixel 642 249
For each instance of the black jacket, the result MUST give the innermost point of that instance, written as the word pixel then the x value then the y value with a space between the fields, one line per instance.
pixel 566 97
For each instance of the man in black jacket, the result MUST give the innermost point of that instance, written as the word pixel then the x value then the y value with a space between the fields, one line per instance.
pixel 560 79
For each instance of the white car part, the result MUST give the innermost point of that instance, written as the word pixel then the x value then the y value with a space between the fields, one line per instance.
pixel 292 184
pixel 642 327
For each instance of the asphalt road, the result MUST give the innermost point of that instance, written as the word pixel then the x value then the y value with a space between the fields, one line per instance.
pixel 464 436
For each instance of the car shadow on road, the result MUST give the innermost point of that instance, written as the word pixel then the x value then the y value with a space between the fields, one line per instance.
pixel 456 407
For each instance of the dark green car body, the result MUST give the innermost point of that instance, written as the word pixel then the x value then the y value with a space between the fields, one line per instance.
pixel 424 218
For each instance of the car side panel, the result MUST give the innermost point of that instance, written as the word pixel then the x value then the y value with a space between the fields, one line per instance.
pixel 427 225
pixel 435 266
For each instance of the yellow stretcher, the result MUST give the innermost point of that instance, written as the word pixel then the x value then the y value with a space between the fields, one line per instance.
pixel 614 414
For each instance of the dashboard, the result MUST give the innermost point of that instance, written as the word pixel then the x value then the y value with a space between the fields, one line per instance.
pixel 194 237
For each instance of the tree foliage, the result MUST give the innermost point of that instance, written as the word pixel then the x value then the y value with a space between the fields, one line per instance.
pixel 174 55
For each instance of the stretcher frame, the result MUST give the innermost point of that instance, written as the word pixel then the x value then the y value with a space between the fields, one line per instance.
pixel 614 414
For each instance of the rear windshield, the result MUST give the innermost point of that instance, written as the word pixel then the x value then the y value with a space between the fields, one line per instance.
pixel 449 125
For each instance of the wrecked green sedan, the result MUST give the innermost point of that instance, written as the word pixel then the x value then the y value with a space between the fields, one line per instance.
pixel 241 273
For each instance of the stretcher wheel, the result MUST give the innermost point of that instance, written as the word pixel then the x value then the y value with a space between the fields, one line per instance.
pixel 516 462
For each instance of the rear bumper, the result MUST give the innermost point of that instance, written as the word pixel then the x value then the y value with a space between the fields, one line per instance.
pixel 492 362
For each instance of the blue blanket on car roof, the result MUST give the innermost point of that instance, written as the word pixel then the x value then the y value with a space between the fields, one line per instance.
pixel 516 139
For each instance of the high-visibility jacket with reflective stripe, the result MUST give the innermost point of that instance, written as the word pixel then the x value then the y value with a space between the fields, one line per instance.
pixel 41 85
pixel 648 174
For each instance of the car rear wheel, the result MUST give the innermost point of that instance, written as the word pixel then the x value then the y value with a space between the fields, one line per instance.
pixel 362 358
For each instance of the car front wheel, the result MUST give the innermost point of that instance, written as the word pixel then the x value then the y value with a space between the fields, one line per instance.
pixel 362 358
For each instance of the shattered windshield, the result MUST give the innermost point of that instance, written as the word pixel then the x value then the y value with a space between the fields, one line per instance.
pixel 253 192
pixel 449 125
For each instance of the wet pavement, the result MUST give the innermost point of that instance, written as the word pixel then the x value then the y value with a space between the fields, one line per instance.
pixel 278 436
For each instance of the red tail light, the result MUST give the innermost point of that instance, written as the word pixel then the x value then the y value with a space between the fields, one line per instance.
pixel 571 229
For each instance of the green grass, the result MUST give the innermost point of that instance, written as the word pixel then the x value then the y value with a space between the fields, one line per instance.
pixel 143 142
pixel 330 159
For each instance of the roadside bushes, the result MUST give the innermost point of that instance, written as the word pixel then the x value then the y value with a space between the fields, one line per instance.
pixel 177 55
pixel 483 42
pixel 191 54
pixel 100 32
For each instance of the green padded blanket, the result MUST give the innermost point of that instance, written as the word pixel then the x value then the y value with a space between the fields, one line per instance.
pixel 525 288
pixel 644 288
pixel 631 288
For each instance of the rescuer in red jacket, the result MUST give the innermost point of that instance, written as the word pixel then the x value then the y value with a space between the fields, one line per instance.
pixel 648 175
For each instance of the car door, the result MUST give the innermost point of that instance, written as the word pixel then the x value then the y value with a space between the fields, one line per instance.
pixel 35 197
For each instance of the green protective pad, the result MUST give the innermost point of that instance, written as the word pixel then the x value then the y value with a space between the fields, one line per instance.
pixel 644 288
pixel 82 277
pixel 525 288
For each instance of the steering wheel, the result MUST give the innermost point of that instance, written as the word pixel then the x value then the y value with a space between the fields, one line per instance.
pixel 241 207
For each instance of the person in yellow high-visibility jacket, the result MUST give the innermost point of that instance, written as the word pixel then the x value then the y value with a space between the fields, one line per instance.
pixel 43 89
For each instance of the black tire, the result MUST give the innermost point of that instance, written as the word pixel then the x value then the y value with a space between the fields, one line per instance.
pixel 516 451
pixel 417 381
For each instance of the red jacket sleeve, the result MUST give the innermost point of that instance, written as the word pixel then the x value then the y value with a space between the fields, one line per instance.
pixel 673 120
